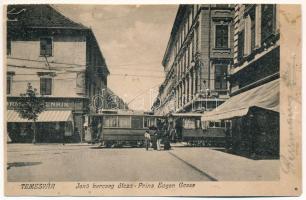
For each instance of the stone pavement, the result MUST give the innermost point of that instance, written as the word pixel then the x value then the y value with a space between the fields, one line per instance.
pixel 84 162
pixel 227 167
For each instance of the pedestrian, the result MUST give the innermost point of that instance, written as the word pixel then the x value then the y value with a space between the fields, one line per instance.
pixel 147 139
pixel 158 139
pixel 173 134
pixel 166 140
pixel 154 138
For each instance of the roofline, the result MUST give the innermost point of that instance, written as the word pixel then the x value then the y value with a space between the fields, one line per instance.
pixel 92 35
pixel 56 10
pixel 173 32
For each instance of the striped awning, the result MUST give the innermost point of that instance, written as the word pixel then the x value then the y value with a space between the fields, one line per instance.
pixel 46 116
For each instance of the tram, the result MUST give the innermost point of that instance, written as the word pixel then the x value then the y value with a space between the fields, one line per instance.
pixel 118 128
pixel 190 129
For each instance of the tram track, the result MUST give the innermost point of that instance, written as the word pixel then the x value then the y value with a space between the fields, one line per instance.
pixel 211 178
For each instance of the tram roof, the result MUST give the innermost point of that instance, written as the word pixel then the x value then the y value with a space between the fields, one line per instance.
pixel 186 114
pixel 124 113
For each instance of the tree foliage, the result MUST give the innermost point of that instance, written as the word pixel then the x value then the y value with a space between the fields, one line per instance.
pixel 29 105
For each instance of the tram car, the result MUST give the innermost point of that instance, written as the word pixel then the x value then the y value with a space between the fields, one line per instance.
pixel 122 128
pixel 191 130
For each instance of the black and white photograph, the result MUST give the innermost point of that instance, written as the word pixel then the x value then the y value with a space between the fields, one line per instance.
pixel 120 98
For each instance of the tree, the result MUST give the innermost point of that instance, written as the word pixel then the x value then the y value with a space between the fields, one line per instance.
pixel 29 106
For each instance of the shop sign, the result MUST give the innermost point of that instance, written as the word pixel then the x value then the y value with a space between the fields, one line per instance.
pixel 56 104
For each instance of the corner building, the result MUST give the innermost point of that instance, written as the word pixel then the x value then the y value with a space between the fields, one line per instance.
pixel 63 61
pixel 197 59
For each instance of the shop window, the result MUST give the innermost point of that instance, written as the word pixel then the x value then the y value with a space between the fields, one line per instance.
pixel 220 76
pixel 221 38
pixel 240 45
pixel 268 19
pixel 46 46
pixel 45 86
pixel 137 122
pixel 124 121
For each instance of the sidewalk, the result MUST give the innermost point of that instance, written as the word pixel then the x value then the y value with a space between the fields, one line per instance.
pixel 227 167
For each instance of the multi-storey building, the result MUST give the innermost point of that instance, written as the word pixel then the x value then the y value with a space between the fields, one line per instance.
pixel 197 59
pixel 62 60
pixel 113 101
pixel 253 107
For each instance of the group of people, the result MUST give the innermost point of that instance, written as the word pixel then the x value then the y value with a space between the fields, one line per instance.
pixel 159 136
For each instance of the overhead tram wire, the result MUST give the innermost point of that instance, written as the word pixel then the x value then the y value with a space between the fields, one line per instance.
pixel 49 63
pixel 142 92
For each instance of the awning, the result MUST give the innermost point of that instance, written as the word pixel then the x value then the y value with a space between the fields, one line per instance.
pixel 265 96
pixel 46 116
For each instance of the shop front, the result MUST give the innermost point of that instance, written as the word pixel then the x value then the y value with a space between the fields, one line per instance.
pixel 51 126
pixel 60 122
pixel 254 116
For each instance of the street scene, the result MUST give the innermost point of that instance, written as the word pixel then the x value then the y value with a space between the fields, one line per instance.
pixel 142 92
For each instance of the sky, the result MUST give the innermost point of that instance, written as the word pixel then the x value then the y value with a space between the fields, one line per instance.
pixel 133 40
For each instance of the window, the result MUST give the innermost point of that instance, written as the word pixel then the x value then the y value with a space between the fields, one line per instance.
pixel 268 21
pixel 137 122
pixel 198 123
pixel 190 16
pixel 221 36
pixel 8 46
pixel 220 76
pixel 110 121
pixel 253 29
pixel 45 86
pixel 8 84
pixel 149 122
pixel 211 124
pixel 197 38
pixel 189 124
pixel 46 46
pixel 217 124
pixel 240 45
pixel 124 122
pixel 222 5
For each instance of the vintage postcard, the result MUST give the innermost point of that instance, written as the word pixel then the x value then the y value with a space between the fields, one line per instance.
pixel 152 99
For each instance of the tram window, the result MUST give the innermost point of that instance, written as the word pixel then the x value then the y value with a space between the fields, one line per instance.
pixel 211 124
pixel 198 123
pixel 189 124
pixel 228 124
pixel 222 124
pixel 110 121
pixel 217 124
pixel 137 122
pixel 124 121
pixel 149 122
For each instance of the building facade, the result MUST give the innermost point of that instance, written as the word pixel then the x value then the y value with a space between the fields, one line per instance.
pixel 62 60
pixel 253 107
pixel 197 59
